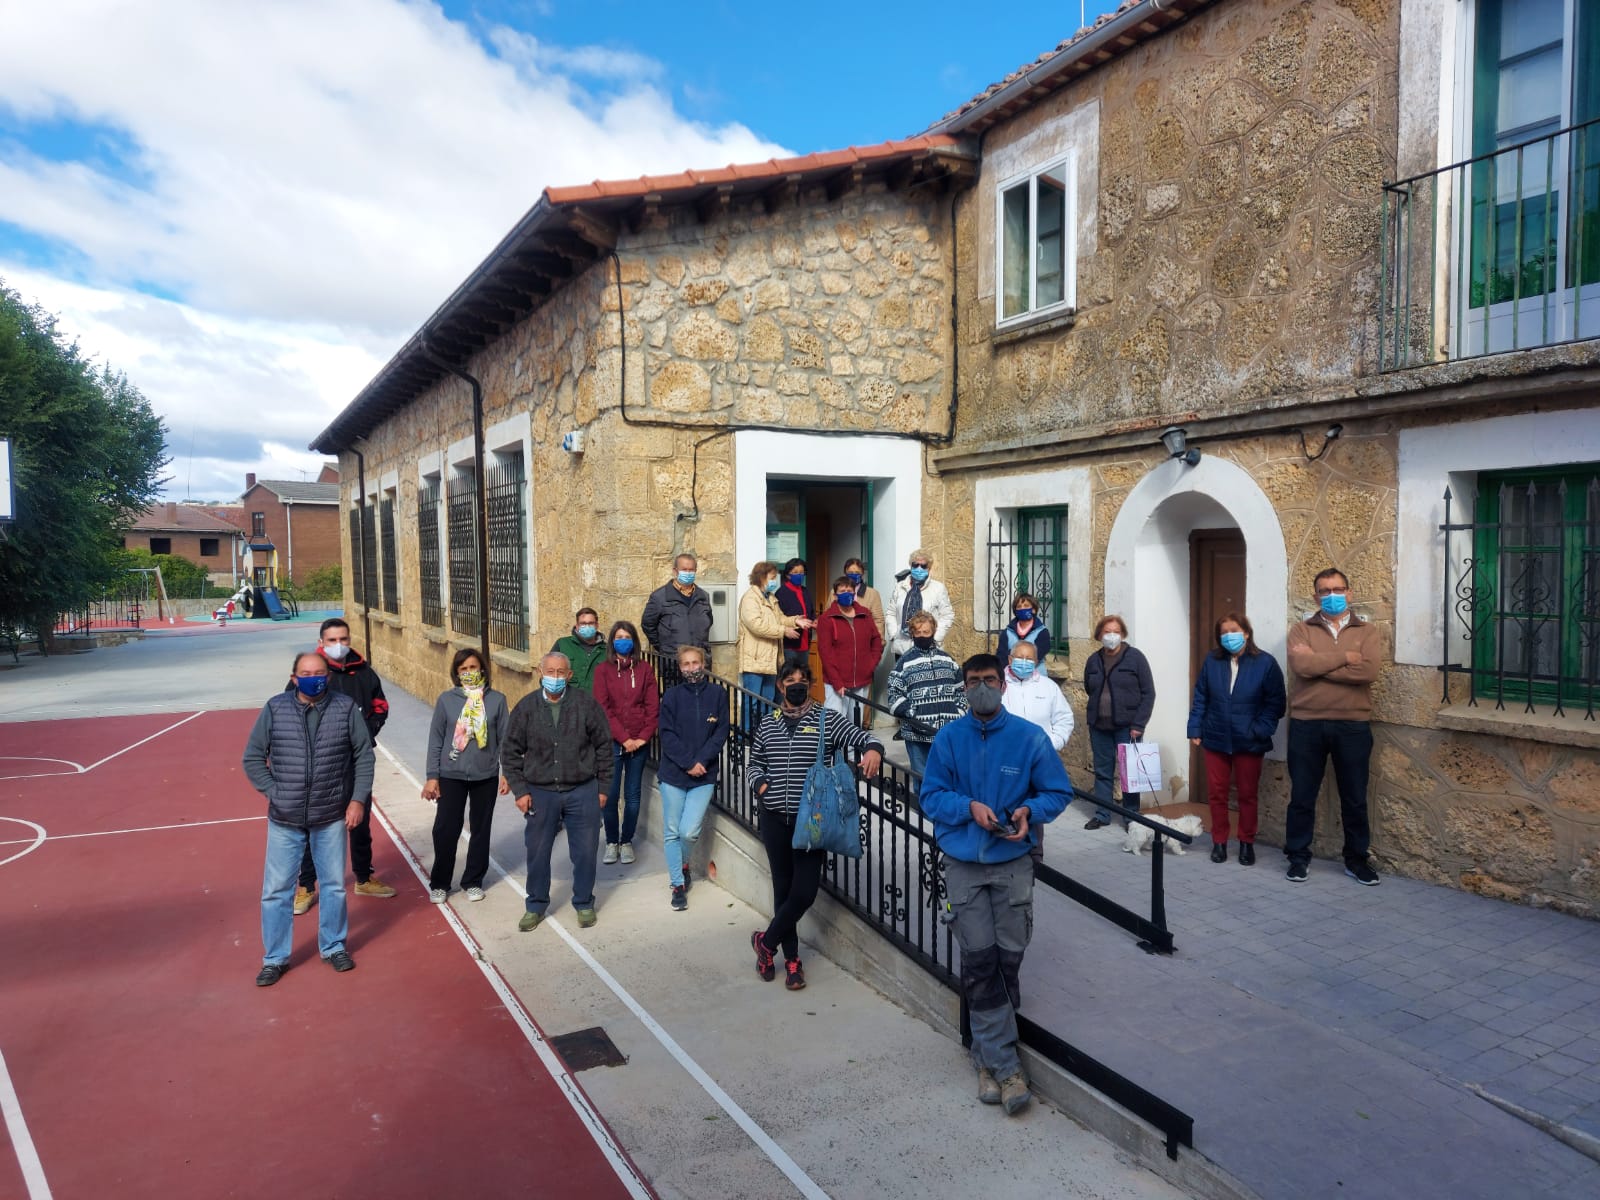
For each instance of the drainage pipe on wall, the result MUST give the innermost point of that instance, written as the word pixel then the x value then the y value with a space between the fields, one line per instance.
pixel 360 560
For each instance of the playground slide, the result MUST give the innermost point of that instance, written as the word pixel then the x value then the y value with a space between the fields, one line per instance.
pixel 268 597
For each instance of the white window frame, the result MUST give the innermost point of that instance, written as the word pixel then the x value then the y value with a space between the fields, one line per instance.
pixel 1067 165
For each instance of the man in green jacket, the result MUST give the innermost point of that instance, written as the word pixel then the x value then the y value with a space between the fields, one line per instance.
pixel 584 648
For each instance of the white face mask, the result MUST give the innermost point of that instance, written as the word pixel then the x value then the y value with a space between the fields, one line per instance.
pixel 1111 640
pixel 337 651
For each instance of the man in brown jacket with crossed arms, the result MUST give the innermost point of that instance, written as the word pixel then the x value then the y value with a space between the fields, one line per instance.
pixel 1334 656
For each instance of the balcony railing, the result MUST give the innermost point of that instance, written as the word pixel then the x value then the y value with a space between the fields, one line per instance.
pixel 1497 253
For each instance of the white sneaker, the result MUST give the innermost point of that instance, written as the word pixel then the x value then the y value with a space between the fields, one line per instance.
pixel 627 853
pixel 438 895
pixel 611 854
pixel 474 894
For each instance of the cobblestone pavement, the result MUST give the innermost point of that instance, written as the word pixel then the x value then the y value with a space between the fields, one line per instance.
pixel 1327 1036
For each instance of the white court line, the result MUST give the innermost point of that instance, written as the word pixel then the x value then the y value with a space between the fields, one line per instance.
pixel 82 770
pixel 32 844
pixel 803 1183
pixel 21 1141
pixel 581 1104
pixel 61 837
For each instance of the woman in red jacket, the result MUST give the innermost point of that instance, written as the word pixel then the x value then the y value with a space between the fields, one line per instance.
pixel 851 648
pixel 625 687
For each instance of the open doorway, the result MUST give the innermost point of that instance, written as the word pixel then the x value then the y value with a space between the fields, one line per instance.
pixel 825 523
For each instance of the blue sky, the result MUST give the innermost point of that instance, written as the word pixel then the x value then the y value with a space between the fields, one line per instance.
pixel 248 207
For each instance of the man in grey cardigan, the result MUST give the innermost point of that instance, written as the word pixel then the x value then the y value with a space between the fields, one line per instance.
pixel 310 754
pixel 557 760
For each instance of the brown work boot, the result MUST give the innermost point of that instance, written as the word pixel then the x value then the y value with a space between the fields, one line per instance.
pixel 988 1088
pixel 1014 1093
pixel 375 887
pixel 304 898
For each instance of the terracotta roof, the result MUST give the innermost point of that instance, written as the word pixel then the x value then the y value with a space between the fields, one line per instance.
pixel 773 168
pixel 182 518
pixel 570 229
pixel 1110 36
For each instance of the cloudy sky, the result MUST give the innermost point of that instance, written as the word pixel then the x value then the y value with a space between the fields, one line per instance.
pixel 247 205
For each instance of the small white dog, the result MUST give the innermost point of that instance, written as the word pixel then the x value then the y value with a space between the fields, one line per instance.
pixel 1140 836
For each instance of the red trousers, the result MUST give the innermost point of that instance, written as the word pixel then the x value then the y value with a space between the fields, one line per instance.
pixel 1244 770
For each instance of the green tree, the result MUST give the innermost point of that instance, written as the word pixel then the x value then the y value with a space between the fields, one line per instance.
pixel 323 583
pixel 87 454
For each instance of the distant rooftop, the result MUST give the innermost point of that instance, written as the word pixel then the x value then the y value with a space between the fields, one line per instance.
pixel 298 491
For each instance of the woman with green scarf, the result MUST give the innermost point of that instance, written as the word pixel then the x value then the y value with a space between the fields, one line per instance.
pixel 469 722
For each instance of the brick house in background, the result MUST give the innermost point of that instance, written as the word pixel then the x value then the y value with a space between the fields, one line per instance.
pixel 201 534
pixel 298 517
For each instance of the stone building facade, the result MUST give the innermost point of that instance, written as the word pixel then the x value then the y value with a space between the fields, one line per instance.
pixel 970 342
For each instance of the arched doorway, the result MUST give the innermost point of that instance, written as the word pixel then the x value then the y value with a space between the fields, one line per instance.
pixel 1174 521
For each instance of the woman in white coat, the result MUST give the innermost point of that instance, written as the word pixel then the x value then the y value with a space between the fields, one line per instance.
pixel 1032 695
pixel 915 593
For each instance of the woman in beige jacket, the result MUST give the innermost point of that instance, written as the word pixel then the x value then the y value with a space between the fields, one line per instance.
pixel 762 626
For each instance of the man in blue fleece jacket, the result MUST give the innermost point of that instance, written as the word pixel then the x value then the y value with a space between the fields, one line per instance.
pixel 992 780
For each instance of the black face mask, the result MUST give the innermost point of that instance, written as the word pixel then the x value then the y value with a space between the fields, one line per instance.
pixel 794 694
pixel 922 643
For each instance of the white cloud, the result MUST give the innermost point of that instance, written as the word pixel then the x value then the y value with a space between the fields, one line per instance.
pixel 311 177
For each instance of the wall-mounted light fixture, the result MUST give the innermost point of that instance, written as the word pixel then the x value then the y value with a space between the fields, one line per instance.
pixel 1176 439
pixel 1328 438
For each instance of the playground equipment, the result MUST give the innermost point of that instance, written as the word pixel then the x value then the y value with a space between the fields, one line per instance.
pixel 258 596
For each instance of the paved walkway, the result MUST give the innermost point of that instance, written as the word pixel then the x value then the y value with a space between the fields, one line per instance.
pixel 1326 1036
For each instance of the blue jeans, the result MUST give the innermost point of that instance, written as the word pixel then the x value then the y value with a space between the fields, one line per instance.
pixel 576 812
pixel 627 775
pixel 765 686
pixel 1104 743
pixel 285 845
pixel 917 756
pixel 683 811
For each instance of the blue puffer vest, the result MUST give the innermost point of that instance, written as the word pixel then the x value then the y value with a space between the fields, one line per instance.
pixel 310 785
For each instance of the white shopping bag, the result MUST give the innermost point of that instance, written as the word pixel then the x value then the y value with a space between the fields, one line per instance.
pixel 1139 766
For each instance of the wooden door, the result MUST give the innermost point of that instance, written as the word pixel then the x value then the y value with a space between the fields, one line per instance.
pixel 1216 588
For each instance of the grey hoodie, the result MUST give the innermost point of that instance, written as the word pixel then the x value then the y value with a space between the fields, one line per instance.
pixel 472 763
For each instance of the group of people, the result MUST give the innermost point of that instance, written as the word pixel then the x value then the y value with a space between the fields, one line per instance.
pixel 983 737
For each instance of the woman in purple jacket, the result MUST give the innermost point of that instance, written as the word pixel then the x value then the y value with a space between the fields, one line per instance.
pixel 694 726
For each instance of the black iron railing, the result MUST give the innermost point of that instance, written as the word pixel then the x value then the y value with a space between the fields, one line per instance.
pixel 508 540
pixel 428 555
pixel 1500 252
pixel 1027 553
pixel 1522 591
pixel 369 556
pixel 461 515
pixel 391 568
pixel 897 887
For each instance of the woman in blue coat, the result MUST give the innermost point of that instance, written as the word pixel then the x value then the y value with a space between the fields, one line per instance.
pixel 694 726
pixel 1238 701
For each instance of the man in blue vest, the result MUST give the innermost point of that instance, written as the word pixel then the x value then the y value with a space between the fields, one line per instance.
pixel 992 782
pixel 310 754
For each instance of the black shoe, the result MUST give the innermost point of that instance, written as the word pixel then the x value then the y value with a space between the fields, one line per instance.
pixel 795 979
pixel 1219 851
pixel 764 967
pixel 1247 854
pixel 1296 872
pixel 1095 823
pixel 340 961
pixel 680 900
pixel 270 974
pixel 1362 874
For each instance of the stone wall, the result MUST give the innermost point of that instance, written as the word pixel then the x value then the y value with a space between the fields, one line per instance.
pixel 825 314
pixel 1235 249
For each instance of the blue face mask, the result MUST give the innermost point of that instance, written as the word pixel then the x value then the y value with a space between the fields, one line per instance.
pixel 311 686
pixel 1334 605
pixel 772 586
pixel 1024 614
pixel 553 684
pixel 799 580
pixel 1023 668
pixel 686 577
pixel 854 577
pixel 587 632
pixel 622 645
pixel 920 574
pixel 1233 642
pixel 845 599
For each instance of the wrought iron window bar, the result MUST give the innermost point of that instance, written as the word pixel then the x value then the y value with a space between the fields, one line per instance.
pixel 391 568
pixel 462 526
pixel 428 556
pixel 508 604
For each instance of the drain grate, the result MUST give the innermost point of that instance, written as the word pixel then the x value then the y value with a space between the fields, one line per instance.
pixel 587 1048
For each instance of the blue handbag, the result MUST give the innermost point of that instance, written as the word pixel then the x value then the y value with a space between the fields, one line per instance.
pixel 830 809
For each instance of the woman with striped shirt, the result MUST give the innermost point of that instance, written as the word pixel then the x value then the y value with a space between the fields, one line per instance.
pixel 786 745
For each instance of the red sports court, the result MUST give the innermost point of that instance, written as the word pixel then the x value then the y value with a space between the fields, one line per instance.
pixel 141 1060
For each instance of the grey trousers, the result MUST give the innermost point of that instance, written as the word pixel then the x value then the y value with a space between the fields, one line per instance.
pixel 993 906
